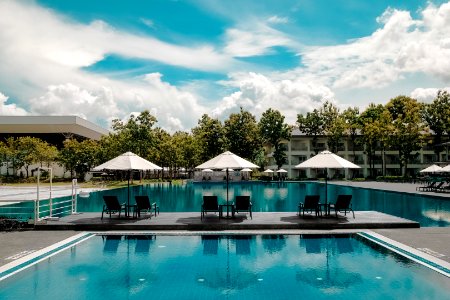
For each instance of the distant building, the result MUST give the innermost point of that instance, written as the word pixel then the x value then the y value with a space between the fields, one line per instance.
pixel 52 129
pixel 300 148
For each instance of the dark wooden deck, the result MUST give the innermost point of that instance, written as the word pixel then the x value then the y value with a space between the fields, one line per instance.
pixel 260 221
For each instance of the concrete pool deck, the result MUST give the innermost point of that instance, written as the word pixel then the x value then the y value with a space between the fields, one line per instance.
pixel 260 221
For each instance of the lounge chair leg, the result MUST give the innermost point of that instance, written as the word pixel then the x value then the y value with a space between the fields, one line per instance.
pixel 353 214
pixel 102 213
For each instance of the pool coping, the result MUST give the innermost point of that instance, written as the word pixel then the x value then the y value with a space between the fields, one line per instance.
pixel 411 253
pixel 42 254
pixel 415 255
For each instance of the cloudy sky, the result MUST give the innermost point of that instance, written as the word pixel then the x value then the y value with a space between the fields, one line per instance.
pixel 180 59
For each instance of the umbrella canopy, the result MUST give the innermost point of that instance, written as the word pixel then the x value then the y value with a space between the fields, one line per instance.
pixel 268 171
pixel 446 169
pixel 326 160
pixel 246 170
pixel 228 161
pixel 433 169
pixel 282 171
pixel 207 170
pixel 127 162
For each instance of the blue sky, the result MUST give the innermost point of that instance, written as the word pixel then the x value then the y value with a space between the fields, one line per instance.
pixel 181 59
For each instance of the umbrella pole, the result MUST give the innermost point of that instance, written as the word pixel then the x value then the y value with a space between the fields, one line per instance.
pixel 129 175
pixel 326 187
pixel 227 193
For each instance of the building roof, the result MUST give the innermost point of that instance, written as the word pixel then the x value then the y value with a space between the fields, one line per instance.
pixel 51 124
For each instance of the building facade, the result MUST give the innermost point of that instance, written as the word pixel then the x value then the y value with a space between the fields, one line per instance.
pixel 300 148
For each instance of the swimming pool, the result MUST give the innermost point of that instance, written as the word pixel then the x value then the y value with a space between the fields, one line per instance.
pixel 284 197
pixel 226 267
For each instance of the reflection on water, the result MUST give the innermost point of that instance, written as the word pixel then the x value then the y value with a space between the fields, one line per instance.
pixel 282 197
pixel 227 267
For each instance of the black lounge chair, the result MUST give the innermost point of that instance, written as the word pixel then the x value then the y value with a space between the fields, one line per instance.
pixel 311 204
pixel 112 206
pixel 243 204
pixel 426 187
pixel 343 204
pixel 143 204
pixel 209 204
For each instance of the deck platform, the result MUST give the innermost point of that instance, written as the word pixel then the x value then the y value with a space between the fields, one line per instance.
pixel 260 221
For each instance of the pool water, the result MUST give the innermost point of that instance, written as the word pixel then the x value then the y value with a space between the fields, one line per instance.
pixel 282 197
pixel 226 267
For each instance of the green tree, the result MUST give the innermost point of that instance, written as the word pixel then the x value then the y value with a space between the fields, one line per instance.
pixel 313 125
pixel 333 125
pixel 352 125
pixel 136 134
pixel 408 129
pixel 242 135
pixel 210 137
pixel 27 151
pixel 5 155
pixel 189 150
pixel 437 116
pixel 78 157
pixel 371 133
pixel 275 133
pixel 45 153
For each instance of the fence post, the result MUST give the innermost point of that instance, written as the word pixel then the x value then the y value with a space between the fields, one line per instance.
pixel 74 195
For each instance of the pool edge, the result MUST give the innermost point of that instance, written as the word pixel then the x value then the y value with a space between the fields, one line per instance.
pixel 42 254
pixel 411 253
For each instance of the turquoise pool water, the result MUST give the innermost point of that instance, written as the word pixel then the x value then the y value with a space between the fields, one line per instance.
pixel 266 197
pixel 226 267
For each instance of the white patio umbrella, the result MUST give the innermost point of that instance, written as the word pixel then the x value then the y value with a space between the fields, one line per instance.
pixel 207 170
pixel 246 170
pixel 127 162
pixel 281 171
pixel 228 161
pixel 433 169
pixel 269 171
pixel 446 169
pixel 326 160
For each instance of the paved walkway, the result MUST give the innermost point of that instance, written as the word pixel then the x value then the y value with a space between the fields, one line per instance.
pixel 29 193
pixel 390 186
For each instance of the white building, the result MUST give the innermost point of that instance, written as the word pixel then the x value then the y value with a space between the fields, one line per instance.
pixel 300 148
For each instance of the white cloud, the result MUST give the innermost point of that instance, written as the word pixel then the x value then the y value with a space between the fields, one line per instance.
pixel 66 42
pixel 47 58
pixel 277 20
pixel 149 23
pixel 257 93
pixel 10 109
pixel 427 94
pixel 257 40
pixel 401 46
pixel 69 99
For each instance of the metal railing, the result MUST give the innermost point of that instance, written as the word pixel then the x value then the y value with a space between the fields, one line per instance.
pixel 38 209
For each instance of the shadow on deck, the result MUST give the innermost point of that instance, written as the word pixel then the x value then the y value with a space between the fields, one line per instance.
pixel 260 221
